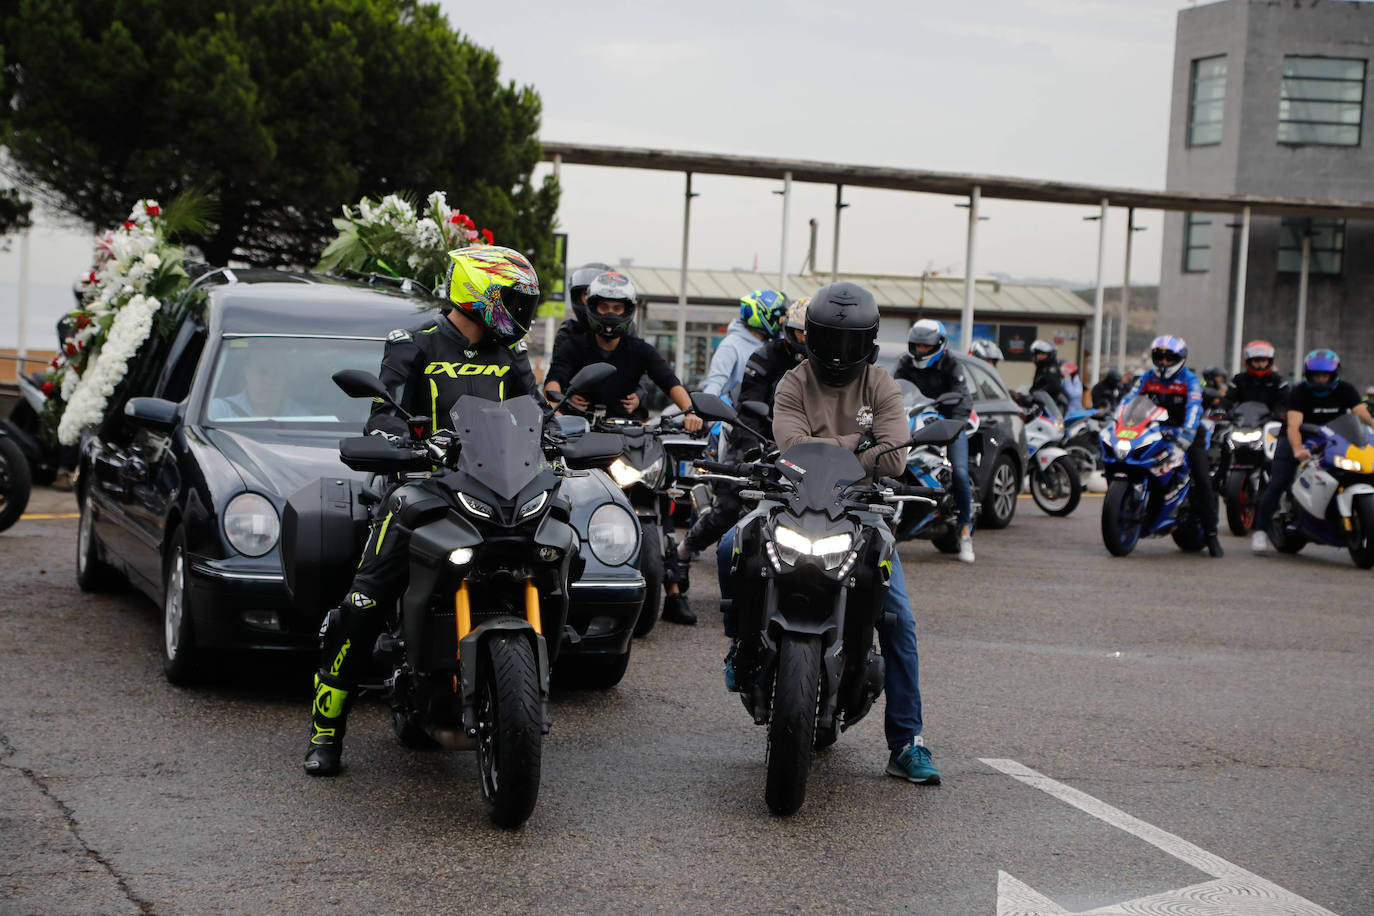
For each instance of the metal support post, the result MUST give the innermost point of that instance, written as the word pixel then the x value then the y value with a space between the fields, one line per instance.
pixel 1125 292
pixel 966 330
pixel 786 214
pixel 835 251
pixel 1300 339
pixel 1097 297
pixel 680 367
pixel 1238 314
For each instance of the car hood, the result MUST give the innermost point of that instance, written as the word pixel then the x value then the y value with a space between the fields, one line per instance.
pixel 280 463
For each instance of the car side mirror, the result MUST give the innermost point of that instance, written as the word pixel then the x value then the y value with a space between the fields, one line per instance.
pixel 711 407
pixel 152 413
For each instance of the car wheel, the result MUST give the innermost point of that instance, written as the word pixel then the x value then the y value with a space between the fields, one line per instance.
pixel 15 483
pixel 182 661
pixel 92 574
pixel 1000 504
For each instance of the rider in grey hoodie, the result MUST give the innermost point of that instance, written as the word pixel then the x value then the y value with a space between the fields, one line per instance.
pixel 761 314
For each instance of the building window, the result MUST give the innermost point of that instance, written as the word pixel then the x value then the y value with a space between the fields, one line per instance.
pixel 1328 245
pixel 1206 98
pixel 1321 101
pixel 1197 242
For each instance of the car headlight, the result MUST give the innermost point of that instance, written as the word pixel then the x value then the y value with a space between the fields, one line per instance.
pixel 1121 449
pixel 251 524
pixel 534 505
pixel 623 473
pixel 613 534
pixel 475 506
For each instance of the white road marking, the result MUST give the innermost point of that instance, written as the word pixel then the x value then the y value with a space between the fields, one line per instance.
pixel 1235 892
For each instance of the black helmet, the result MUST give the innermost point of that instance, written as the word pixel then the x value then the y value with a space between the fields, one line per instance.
pixel 1211 372
pixel 1113 377
pixel 841 332
pixel 611 286
pixel 578 282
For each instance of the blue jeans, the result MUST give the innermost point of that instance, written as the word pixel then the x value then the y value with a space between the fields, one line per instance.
pixel 1281 473
pixel 963 489
pixel 902 720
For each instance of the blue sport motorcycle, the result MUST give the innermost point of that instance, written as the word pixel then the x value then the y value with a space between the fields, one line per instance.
pixel 1148 482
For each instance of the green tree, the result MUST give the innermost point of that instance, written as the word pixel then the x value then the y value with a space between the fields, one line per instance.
pixel 280 110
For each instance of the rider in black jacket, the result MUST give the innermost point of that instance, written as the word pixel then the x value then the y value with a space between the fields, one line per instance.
pixel 1048 377
pixel 471 348
pixel 1259 381
pixel 930 368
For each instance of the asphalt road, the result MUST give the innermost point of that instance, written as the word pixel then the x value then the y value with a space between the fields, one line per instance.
pixel 1192 720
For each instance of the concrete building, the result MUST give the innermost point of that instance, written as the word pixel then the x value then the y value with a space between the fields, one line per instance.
pixel 1268 99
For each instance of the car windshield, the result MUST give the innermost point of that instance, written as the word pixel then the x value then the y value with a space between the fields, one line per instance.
pixel 281 381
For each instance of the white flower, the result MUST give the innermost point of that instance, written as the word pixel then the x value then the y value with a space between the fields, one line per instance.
pixel 152 260
pixel 86 404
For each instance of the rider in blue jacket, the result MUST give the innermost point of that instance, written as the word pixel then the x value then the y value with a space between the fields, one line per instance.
pixel 761 315
pixel 1176 388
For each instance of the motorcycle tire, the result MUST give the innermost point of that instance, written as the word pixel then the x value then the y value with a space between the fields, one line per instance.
pixel 792 728
pixel 1361 536
pixel 1283 541
pixel 1118 536
pixel 1189 537
pixel 947 542
pixel 510 734
pixel 92 573
pixel 1005 484
pixel 1241 499
pixel 16 483
pixel 651 567
pixel 1069 487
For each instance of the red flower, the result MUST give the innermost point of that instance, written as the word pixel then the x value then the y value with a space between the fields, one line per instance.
pixel 70 349
pixel 128 225
pixel 90 278
pixel 82 321
pixel 153 210
pixel 487 236
pixel 56 360
pixel 48 389
pixel 467 221
pixel 456 218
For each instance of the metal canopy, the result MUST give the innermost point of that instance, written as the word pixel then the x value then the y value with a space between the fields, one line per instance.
pixel 956 183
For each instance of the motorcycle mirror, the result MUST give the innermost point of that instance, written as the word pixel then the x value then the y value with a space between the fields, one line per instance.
pixel 941 432
pixel 553 396
pixel 755 408
pixel 590 375
pixel 359 384
pixel 710 407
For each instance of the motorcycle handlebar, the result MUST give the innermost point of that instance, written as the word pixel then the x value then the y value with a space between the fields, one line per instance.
pixel 904 489
pixel 732 468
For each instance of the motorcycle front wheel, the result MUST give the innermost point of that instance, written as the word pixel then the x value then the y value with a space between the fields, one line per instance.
pixel 1243 489
pixel 1058 488
pixel 792 729
pixel 1120 527
pixel 1361 543
pixel 1283 540
pixel 509 731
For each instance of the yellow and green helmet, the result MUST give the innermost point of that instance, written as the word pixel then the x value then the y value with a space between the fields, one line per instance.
pixel 494 286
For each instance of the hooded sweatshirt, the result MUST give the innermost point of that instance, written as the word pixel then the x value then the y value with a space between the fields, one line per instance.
pixel 727 365
pixel 804 410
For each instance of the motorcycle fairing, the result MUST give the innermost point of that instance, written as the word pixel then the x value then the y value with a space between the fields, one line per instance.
pixel 500 442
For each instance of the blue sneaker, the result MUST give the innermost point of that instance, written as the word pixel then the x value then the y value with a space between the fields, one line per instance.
pixel 730 667
pixel 913 764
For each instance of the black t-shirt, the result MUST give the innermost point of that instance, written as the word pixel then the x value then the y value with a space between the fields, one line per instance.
pixel 632 358
pixel 1323 408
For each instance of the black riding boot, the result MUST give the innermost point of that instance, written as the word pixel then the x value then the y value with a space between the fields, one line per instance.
pixel 328 722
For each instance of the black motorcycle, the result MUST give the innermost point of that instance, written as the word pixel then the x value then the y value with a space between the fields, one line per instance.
pixel 810 572
pixel 15 482
pixel 1245 463
pixel 468 650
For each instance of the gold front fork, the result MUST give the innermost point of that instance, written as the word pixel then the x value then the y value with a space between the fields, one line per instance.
pixel 532 606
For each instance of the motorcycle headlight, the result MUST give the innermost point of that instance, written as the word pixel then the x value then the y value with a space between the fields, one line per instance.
pixel 613 534
pixel 1247 437
pixel 534 505
pixel 1121 449
pixel 833 549
pixel 1349 464
pixel 791 546
pixel 475 506
pixel 655 473
pixel 623 473
pixel 251 524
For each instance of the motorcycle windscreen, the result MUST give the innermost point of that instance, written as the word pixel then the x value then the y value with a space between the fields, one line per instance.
pixel 819 470
pixel 1349 428
pixel 1250 414
pixel 912 398
pixel 1139 411
pixel 501 441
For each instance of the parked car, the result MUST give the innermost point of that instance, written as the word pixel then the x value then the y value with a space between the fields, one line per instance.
pixel 223 417
pixel 997 449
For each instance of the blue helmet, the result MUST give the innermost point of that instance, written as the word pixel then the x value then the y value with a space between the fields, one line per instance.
pixel 1322 361
pixel 764 310
pixel 927 333
pixel 1168 354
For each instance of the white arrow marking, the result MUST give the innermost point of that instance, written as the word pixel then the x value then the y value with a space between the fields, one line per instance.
pixel 1235 892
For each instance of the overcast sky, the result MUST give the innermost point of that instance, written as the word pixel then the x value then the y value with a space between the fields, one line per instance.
pixel 1073 90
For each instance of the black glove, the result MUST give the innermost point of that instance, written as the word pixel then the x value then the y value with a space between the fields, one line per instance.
pixel 866 442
